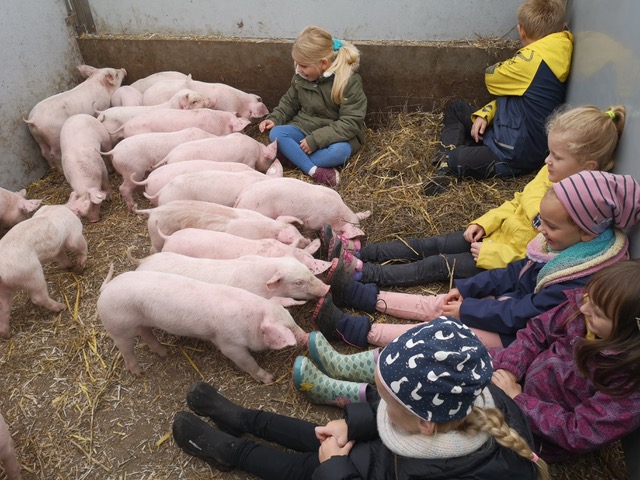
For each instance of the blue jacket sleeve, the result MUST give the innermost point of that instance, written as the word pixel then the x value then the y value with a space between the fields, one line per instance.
pixel 510 315
pixel 495 282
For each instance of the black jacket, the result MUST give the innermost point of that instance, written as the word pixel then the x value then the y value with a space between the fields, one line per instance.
pixel 372 460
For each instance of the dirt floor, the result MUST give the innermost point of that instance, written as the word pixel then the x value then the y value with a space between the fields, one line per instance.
pixel 75 412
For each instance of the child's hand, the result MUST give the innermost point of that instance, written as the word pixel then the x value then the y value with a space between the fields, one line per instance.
pixel 474 233
pixel 452 309
pixel 507 382
pixel 475 250
pixel 266 125
pixel 305 147
pixel 453 296
pixel 330 448
pixel 478 128
pixel 337 429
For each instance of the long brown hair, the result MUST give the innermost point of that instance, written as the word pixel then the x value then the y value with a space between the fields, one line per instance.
pixel 615 290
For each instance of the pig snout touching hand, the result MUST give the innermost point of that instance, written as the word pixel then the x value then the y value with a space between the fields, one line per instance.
pixel 209 186
pixel 171 120
pixel 135 156
pixel 8 456
pixel 268 277
pixel 14 207
pixel 181 214
pixel 48 235
pixel 230 99
pixel 126 96
pixel 236 321
pixel 81 139
pixel 236 147
pixel 49 115
pixel 314 205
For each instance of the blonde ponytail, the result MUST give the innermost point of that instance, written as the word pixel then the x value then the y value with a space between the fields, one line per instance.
pixel 314 44
pixel 491 421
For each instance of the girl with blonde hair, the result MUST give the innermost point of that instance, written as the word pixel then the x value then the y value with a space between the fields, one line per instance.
pixel 319 122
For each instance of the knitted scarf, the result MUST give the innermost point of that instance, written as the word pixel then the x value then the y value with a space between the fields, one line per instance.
pixel 576 261
pixel 440 445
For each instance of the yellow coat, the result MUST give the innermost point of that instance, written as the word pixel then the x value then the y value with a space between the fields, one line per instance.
pixel 508 227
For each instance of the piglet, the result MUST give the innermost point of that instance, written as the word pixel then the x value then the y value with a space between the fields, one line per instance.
pixel 172 120
pixel 113 118
pixel 48 235
pixel 236 147
pixel 47 117
pixel 209 186
pixel 162 175
pixel 283 277
pixel 14 207
pixel 180 214
pixel 145 83
pixel 199 243
pixel 315 205
pixel 222 96
pixel 135 156
pixel 81 139
pixel 126 96
pixel 234 320
pixel 8 456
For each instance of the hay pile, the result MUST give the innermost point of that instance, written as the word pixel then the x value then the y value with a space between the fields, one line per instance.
pixel 76 413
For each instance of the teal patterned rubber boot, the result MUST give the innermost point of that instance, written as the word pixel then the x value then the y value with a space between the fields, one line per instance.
pixel 358 367
pixel 319 388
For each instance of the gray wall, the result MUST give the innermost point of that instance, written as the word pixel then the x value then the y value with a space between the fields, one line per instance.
pixel 38 56
pixel 407 20
pixel 606 71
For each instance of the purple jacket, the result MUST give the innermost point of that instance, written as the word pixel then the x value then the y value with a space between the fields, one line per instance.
pixel 568 415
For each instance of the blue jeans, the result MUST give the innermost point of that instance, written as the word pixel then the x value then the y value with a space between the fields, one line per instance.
pixel 289 138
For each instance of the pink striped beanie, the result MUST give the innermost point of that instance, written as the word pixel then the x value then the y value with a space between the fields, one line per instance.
pixel 596 200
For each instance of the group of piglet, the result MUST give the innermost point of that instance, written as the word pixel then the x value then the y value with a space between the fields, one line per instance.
pixel 227 231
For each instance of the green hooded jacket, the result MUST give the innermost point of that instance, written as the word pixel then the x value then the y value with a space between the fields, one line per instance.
pixel 308 106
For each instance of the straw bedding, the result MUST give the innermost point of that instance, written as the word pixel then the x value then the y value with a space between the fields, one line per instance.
pixel 76 413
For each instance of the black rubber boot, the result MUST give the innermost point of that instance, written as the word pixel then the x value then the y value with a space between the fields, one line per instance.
pixel 196 437
pixel 337 325
pixel 349 293
pixel 205 400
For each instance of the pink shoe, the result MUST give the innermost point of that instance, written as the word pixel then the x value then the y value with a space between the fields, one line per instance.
pixel 326 176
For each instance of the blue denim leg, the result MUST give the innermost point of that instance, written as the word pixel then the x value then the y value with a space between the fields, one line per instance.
pixel 289 138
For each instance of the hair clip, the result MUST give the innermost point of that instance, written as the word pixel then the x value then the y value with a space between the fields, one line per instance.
pixel 611 113
pixel 536 222
pixel 337 44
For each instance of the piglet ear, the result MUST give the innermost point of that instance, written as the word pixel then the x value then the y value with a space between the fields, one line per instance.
pixel 22 193
pixel 86 70
pixel 313 246
pixel 30 205
pixel 273 282
pixel 275 335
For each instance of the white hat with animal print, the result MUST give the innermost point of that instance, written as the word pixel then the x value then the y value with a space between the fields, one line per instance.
pixel 436 370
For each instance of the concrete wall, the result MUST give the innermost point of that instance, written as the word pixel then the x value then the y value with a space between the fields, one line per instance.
pixel 38 56
pixel 406 20
pixel 606 71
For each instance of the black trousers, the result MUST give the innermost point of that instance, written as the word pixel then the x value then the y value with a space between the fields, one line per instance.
pixel 430 260
pixel 272 463
pixel 467 158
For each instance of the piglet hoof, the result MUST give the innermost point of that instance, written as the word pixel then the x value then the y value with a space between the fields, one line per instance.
pixel 5 333
pixel 55 306
pixel 263 376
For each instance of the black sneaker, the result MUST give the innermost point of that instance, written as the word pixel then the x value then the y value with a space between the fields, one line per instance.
pixel 196 437
pixel 436 185
pixel 205 400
